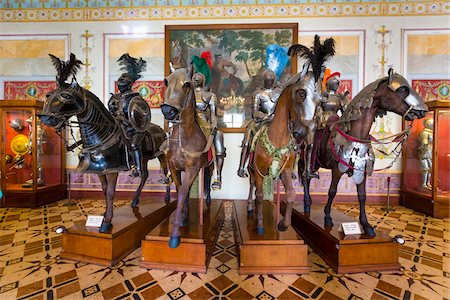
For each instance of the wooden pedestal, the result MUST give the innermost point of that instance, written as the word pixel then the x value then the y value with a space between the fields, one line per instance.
pixel 345 254
pixel 130 226
pixel 274 252
pixel 197 241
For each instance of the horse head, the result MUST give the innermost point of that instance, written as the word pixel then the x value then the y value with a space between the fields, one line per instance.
pixel 396 95
pixel 305 96
pixel 307 85
pixel 67 99
pixel 178 86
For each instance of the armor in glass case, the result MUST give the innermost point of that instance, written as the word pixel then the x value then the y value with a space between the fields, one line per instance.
pixel 426 163
pixel 32 157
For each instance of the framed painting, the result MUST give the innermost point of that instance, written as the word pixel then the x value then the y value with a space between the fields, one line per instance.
pixel 238 53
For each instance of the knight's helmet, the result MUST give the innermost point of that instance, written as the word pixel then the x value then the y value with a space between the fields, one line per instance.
pixel 132 68
pixel 268 79
pixel 331 81
pixel 202 65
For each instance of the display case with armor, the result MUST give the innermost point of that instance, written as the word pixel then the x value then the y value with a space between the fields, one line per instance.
pixel 32 157
pixel 426 163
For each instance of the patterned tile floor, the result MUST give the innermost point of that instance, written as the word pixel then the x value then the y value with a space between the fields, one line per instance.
pixel 30 266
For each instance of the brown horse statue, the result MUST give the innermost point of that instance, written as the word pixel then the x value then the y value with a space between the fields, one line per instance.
pixel 187 149
pixel 103 149
pixel 274 154
pixel 293 123
pixel 345 146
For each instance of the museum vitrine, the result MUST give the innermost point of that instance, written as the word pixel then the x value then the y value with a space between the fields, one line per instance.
pixel 32 156
pixel 426 162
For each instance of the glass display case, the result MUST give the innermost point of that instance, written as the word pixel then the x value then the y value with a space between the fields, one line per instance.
pixel 426 162
pixel 32 157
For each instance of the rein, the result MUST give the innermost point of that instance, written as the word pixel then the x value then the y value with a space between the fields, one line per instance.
pixel 400 137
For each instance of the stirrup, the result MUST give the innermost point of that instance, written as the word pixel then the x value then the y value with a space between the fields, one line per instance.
pixel 164 180
pixel 217 185
pixel 135 172
pixel 310 175
pixel 242 173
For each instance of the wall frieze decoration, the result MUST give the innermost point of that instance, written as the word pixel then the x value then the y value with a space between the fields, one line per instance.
pixel 12 13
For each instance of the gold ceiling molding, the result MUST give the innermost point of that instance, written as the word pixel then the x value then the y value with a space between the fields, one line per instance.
pixel 304 10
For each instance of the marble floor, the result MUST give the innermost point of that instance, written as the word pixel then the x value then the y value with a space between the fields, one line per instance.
pixel 30 266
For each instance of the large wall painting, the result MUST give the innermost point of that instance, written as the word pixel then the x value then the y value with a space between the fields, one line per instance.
pixel 238 54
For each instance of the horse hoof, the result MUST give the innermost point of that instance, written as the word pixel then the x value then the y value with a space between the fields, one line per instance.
pixel 135 202
pixel 250 212
pixel 174 242
pixel 105 227
pixel 260 230
pixel 281 226
pixel 369 231
pixel 328 222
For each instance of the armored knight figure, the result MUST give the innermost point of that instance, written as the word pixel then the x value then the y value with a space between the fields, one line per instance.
pixel 426 153
pixel 331 101
pixel 264 102
pixel 40 141
pixel 205 103
pixel 131 110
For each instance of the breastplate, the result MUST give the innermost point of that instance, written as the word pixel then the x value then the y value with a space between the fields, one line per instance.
pixel 332 103
pixel 268 100
pixel 200 103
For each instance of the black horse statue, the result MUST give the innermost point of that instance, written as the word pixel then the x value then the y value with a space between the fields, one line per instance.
pixel 103 143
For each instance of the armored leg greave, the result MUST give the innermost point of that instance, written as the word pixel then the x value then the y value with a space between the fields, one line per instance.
pixel 220 155
pixel 136 144
pixel 244 154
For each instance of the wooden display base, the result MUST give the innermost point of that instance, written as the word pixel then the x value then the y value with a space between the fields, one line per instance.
pixel 18 196
pixel 345 254
pixel 130 226
pixel 197 241
pixel 274 252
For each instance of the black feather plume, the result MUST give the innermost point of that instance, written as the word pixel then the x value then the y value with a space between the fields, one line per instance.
pixel 65 69
pixel 317 55
pixel 132 66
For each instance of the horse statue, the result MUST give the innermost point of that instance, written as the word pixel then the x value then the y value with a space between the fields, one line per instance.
pixel 187 146
pixel 103 145
pixel 293 125
pixel 345 144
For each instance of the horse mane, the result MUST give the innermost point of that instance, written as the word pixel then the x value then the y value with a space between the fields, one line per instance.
pixel 317 54
pixel 362 101
pixel 65 69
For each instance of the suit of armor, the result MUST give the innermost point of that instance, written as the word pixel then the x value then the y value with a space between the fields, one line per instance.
pixel 264 102
pixel 40 141
pixel 118 105
pixel 205 103
pixel 426 153
pixel 331 102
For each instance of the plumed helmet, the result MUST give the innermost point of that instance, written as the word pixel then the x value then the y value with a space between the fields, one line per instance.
pixel 201 66
pixel 333 82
